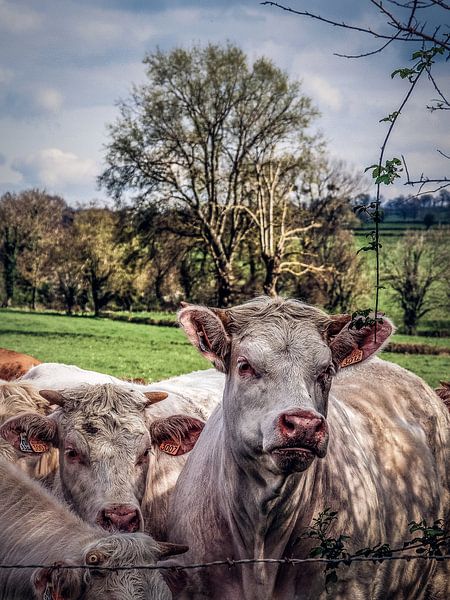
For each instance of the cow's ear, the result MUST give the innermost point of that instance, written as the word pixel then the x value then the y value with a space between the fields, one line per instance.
pixel 57 583
pixel 206 330
pixel 352 341
pixel 177 434
pixel 30 433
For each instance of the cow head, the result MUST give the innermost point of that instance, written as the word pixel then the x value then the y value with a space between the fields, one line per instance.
pixel 59 583
pixel 280 357
pixel 104 448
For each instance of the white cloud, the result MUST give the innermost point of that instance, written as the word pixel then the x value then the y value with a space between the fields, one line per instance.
pixel 326 94
pixel 53 167
pixel 48 99
pixel 6 75
pixel 15 19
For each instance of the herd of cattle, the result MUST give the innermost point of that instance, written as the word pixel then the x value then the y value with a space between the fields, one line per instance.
pixel 232 463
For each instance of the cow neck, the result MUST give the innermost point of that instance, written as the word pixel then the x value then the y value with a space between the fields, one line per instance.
pixel 265 512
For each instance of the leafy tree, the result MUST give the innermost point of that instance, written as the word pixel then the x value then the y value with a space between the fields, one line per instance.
pixel 417 271
pixel 185 138
pixel 10 244
pixel 68 267
pixel 29 223
pixel 95 229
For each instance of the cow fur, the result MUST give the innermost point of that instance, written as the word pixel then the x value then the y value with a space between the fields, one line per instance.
pixel 16 398
pixel 37 530
pixel 387 461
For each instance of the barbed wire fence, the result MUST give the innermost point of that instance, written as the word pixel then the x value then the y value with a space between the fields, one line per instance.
pixel 228 562
pixel 430 543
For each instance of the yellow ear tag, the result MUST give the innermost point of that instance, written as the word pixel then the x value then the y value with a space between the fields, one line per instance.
pixel 169 448
pixel 38 447
pixel 355 356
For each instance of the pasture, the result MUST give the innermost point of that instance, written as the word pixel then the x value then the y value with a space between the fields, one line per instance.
pixel 133 350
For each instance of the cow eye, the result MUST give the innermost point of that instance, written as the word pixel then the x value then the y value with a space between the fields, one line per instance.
pixel 244 368
pixel 144 456
pixel 72 455
pixel 326 374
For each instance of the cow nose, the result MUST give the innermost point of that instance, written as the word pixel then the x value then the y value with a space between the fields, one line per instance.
pixel 302 424
pixel 120 517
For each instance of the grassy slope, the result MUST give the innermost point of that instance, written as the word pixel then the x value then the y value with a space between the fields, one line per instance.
pixel 121 349
pixel 151 352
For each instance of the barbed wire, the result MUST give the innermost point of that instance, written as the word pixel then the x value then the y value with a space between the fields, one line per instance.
pixel 235 562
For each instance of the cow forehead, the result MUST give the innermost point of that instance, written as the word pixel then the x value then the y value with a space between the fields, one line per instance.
pixel 285 342
pixel 94 410
pixel 106 444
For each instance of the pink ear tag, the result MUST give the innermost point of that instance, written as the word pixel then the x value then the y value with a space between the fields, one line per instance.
pixel 355 356
pixel 169 448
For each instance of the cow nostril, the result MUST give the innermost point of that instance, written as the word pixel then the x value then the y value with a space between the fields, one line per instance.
pixel 288 423
pixel 301 424
pixel 119 518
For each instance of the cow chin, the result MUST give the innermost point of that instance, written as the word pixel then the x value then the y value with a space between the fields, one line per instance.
pixel 293 460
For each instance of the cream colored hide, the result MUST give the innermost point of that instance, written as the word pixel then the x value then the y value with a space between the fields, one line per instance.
pixel 15 398
pixel 37 530
pixel 191 399
pixel 309 420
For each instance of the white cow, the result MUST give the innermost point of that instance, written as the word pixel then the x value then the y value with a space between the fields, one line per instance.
pixel 172 424
pixel 37 530
pixel 308 422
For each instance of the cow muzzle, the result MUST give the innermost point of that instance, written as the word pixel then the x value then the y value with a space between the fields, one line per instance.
pixel 120 517
pixel 301 436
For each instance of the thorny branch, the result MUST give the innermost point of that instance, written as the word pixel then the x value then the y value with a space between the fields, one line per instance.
pixel 412 29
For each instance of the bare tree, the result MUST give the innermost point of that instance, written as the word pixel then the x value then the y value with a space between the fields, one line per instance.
pixel 184 139
pixel 405 22
pixel 276 212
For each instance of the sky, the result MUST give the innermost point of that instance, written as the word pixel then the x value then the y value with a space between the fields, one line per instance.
pixel 64 64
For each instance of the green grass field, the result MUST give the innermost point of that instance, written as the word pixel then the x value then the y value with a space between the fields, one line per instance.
pixel 151 352
pixel 121 349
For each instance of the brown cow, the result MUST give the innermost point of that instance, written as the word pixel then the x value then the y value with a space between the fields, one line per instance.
pixel 14 364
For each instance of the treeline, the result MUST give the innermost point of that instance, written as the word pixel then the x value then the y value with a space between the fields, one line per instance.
pixel 429 209
pixel 92 258
pixel 221 192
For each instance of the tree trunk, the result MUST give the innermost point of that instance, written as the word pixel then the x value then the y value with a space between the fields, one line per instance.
pixel 9 272
pixel 159 280
pixel 94 292
pixel 224 289
pixel 185 278
pixel 33 297
pixel 271 265
pixel 410 321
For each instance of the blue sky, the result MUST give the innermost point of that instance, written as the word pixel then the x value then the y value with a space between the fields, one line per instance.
pixel 65 63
